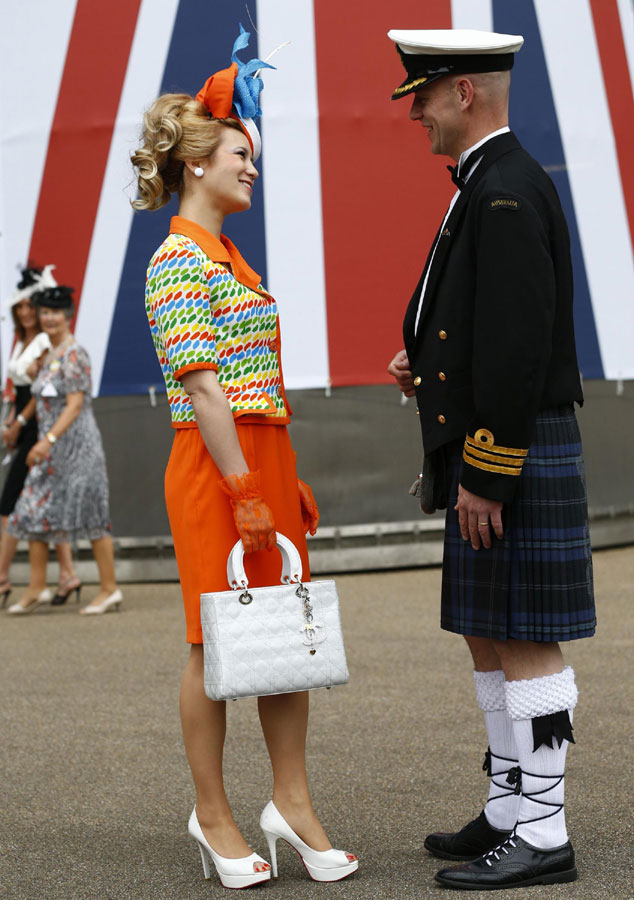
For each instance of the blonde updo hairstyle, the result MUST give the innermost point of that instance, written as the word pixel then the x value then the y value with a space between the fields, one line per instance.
pixel 175 128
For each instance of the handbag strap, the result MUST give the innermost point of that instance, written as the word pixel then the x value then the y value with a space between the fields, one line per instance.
pixel 291 563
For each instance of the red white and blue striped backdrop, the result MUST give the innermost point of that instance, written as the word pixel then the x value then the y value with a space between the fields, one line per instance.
pixel 350 196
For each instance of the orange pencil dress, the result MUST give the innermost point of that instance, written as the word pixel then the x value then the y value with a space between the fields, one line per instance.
pixel 207 310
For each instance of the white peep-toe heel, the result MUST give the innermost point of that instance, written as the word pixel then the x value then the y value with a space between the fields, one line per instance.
pixel 321 865
pixel 233 873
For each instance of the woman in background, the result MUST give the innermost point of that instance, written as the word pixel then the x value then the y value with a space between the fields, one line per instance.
pixel 19 431
pixel 66 491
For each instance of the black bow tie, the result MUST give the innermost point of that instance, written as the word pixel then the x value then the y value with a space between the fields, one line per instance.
pixel 460 180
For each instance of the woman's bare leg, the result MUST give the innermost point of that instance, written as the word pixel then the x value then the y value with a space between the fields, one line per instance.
pixel 65 560
pixel 8 546
pixel 204 727
pixel 38 558
pixel 284 719
pixel 103 551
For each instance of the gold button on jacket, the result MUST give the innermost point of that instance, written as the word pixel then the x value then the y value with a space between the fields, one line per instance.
pixel 417 380
pixel 442 376
pixel 441 419
pixel 442 335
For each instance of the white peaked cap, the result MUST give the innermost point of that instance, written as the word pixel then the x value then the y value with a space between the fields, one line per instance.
pixel 428 55
pixel 456 41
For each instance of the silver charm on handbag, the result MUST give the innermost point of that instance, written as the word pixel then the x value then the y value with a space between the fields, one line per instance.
pixel 310 627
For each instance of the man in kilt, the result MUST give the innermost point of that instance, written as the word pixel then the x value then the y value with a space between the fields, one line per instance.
pixel 490 356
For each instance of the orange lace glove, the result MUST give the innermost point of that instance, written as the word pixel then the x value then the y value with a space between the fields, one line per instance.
pixel 253 518
pixel 310 512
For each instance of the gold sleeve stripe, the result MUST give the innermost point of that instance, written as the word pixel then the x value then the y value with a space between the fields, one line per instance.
pixel 510 451
pixel 500 470
pixel 410 85
pixel 494 457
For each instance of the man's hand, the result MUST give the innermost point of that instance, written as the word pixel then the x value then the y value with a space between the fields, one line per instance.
pixel 474 514
pixel 399 369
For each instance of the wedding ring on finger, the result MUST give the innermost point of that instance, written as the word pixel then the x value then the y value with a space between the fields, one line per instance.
pixel 483 524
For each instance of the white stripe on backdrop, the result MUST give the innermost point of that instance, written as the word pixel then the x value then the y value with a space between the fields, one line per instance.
pixel 586 131
pixel 476 14
pixel 114 217
pixel 30 75
pixel 626 12
pixel 292 189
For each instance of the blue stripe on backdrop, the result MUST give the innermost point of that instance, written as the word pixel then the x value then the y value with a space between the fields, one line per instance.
pixel 201 43
pixel 534 121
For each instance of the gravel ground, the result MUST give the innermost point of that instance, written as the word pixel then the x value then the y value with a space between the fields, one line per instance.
pixel 95 786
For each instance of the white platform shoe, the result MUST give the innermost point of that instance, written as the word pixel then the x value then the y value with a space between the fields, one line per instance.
pixel 321 865
pixel 233 873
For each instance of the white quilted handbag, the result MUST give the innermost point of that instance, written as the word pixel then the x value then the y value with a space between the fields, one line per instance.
pixel 271 640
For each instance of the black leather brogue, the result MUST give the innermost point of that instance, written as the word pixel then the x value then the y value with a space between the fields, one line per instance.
pixel 513 864
pixel 469 843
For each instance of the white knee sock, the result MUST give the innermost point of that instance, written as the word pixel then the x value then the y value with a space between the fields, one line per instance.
pixel 503 803
pixel 541 819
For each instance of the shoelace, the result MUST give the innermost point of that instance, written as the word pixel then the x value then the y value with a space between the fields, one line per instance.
pixel 515 778
pixel 508 786
pixel 557 779
pixel 501 848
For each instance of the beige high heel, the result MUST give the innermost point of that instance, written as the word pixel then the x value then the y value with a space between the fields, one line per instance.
pixel 112 601
pixel 42 599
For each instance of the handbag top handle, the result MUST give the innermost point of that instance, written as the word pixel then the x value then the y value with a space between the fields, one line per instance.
pixel 291 563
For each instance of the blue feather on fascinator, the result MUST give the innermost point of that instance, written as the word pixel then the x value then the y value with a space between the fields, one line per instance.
pixel 247 88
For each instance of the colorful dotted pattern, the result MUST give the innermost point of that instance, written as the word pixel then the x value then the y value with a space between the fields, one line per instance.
pixel 200 316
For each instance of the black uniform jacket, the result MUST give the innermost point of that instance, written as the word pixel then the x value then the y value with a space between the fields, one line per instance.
pixel 495 340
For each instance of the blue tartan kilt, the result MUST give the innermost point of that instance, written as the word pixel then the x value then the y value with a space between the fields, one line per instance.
pixel 535 584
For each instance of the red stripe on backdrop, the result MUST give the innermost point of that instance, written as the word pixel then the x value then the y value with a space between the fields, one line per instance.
pixel 383 193
pixel 79 144
pixel 618 86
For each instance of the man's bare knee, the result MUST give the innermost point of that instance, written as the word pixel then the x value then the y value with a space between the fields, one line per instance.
pixel 528 659
pixel 484 655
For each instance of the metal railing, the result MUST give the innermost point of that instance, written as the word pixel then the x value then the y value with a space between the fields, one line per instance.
pixel 348 548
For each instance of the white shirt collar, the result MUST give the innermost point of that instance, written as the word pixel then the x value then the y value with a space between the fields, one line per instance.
pixel 470 150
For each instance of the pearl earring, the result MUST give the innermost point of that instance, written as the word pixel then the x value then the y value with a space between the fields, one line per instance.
pixel 199 172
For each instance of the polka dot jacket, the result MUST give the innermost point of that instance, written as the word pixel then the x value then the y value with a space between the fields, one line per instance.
pixel 207 310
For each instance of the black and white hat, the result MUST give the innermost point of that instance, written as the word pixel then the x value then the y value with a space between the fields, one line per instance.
pixel 32 279
pixel 428 55
pixel 58 297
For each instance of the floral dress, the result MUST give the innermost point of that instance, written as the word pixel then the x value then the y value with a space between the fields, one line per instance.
pixel 66 496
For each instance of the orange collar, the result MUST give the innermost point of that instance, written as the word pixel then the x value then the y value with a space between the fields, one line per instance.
pixel 222 250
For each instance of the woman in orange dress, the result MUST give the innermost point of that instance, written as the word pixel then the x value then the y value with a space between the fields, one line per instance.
pixel 231 472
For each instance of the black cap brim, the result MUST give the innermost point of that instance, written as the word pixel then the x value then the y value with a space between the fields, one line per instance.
pixel 423 69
